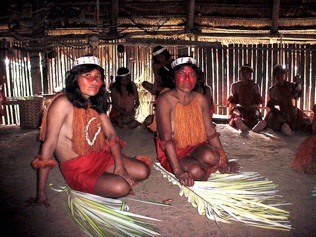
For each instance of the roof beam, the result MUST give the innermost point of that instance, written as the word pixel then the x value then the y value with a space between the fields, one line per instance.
pixel 275 17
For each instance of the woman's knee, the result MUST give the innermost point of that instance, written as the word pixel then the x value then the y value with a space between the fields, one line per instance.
pixel 207 155
pixel 113 188
pixel 211 157
pixel 121 189
pixel 197 172
pixel 143 172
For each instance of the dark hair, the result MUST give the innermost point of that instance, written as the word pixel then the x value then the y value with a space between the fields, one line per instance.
pixel 166 53
pixel 166 76
pixel 74 95
pixel 118 81
pixel 200 80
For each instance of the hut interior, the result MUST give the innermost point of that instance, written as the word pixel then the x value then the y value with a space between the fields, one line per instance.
pixel 40 39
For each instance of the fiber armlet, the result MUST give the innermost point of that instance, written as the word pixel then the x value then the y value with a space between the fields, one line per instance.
pixel 216 134
pixel 164 143
pixel 38 163
pixel 108 144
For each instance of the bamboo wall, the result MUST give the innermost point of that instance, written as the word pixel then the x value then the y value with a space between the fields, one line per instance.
pixel 220 64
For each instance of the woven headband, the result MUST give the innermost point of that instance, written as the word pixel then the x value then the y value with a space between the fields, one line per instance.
pixel 183 60
pixel 86 60
pixel 159 51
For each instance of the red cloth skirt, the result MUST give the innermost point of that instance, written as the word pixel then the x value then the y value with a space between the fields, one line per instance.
pixel 180 152
pixel 81 173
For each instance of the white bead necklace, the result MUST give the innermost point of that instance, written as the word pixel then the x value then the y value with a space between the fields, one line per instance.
pixel 95 135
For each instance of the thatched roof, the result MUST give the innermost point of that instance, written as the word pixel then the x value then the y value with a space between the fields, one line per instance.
pixel 224 21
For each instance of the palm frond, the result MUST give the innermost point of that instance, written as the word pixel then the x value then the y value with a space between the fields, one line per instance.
pixel 99 216
pixel 246 197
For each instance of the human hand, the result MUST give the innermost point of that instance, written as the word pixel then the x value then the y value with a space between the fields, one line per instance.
pixel 185 178
pixel 121 171
pixel 231 167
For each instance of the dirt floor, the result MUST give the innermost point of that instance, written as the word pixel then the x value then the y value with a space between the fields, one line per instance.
pixel 268 153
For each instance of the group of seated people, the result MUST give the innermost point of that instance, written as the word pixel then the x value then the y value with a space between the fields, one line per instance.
pixel 79 134
pixel 283 114
pixel 245 98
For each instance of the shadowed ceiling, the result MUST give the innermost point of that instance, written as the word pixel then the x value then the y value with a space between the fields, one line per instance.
pixel 224 21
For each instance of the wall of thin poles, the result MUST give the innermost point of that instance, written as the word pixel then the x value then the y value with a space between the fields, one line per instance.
pixel 220 64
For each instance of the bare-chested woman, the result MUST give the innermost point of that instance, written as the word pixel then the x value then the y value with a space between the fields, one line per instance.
pixel 80 135
pixel 187 143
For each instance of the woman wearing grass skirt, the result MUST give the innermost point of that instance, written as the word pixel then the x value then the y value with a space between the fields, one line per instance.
pixel 77 131
pixel 187 143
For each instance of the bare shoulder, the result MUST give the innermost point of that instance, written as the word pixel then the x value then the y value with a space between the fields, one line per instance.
pixel 167 97
pixel 237 83
pixel 61 103
pixel 201 98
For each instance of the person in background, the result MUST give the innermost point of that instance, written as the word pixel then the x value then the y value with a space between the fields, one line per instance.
pixel 161 58
pixel 77 131
pixel 305 157
pixel 244 101
pixel 187 143
pixel 283 115
pixel 206 90
pixel 125 100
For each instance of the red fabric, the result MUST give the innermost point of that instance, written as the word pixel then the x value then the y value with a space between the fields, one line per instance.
pixel 113 116
pixel 305 158
pixel 181 154
pixel 82 172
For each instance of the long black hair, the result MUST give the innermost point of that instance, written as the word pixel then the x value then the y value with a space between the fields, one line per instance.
pixel 99 102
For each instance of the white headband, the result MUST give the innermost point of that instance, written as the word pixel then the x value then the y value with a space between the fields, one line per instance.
pixel 124 75
pixel 183 60
pixel 159 51
pixel 86 60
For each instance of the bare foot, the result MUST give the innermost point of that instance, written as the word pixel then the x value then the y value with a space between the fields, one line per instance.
pixel 241 126
pixel 259 126
pixel 287 130
pixel 234 167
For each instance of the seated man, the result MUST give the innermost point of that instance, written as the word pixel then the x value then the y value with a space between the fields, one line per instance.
pixel 283 115
pixel 244 100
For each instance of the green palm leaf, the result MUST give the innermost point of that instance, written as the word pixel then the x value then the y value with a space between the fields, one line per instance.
pixel 99 216
pixel 246 197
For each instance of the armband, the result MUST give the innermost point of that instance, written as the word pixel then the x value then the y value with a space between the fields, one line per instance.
pixel 108 144
pixel 164 143
pixel 38 163
pixel 216 134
